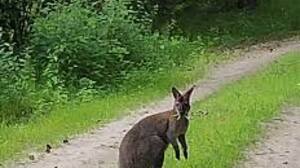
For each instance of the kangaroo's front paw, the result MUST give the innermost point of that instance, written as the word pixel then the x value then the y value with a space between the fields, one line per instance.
pixel 178 156
pixel 185 153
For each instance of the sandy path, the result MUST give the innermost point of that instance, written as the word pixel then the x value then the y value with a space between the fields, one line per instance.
pixel 99 147
pixel 280 147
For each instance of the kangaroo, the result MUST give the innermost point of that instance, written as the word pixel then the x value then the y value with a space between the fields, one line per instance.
pixel 145 143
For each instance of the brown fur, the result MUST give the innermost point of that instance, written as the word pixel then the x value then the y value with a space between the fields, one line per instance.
pixel 144 145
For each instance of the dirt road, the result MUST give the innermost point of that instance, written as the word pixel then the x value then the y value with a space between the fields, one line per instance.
pixel 99 147
pixel 280 147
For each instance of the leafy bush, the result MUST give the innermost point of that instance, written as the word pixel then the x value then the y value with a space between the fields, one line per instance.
pixel 14 102
pixel 20 97
pixel 75 44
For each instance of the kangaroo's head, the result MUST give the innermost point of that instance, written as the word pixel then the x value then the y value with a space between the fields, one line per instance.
pixel 182 101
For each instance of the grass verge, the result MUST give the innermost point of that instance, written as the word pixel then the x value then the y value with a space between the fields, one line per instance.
pixel 235 115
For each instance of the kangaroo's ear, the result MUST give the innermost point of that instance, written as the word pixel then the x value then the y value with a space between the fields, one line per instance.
pixel 176 93
pixel 188 93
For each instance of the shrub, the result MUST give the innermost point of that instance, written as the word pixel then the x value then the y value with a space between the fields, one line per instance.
pixel 14 91
pixel 74 44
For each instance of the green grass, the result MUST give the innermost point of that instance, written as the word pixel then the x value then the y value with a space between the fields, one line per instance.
pixel 235 115
pixel 73 119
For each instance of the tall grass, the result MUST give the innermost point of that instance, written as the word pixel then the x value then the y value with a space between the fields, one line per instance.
pixel 235 115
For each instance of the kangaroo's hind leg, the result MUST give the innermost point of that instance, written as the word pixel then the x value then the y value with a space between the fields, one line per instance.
pixel 159 160
pixel 158 147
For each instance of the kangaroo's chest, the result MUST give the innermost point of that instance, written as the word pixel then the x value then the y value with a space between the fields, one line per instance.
pixel 181 126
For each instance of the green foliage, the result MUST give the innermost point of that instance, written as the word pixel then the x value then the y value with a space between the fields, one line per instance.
pixel 78 49
pixel 15 20
pixel 76 52
pixel 272 19
pixel 14 102
pixel 164 13
pixel 74 44
pixel 20 97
